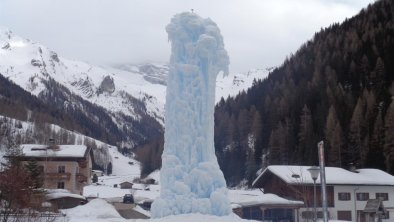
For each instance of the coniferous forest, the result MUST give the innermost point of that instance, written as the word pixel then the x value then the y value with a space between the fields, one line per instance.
pixel 338 87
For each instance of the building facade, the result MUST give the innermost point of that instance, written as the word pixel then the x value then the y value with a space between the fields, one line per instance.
pixel 347 191
pixel 350 201
pixel 63 166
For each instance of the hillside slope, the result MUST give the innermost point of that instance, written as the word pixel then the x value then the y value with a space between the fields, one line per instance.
pixel 338 87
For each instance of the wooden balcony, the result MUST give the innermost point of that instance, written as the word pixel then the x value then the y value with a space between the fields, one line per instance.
pixel 81 178
pixel 58 176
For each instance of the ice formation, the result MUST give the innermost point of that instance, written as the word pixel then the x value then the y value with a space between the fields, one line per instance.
pixel 191 180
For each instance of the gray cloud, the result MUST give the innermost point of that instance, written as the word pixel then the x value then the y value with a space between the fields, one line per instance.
pixel 257 33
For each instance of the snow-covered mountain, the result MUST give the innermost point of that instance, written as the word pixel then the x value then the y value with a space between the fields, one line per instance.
pixel 30 64
pixel 118 101
pixel 130 95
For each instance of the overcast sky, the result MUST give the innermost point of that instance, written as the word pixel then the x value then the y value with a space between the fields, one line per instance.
pixel 257 33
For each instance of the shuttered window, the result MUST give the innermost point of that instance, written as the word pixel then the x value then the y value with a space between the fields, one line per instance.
pixel 382 196
pixel 343 196
pixel 362 196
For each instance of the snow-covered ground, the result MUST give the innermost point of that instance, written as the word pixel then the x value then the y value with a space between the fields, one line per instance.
pixel 99 210
pixel 124 169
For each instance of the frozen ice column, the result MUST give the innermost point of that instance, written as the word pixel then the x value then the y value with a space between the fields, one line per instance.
pixel 191 180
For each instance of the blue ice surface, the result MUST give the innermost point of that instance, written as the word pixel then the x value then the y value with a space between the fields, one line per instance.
pixel 191 180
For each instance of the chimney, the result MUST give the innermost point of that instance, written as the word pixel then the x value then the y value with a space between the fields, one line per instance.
pixel 352 168
pixel 52 145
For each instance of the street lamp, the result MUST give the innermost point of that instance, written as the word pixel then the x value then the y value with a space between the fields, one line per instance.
pixel 314 171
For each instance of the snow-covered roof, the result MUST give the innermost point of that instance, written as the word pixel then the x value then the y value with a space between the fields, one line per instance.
pixel 155 175
pixel 126 182
pixel 36 150
pixel 61 193
pixel 334 175
pixel 255 197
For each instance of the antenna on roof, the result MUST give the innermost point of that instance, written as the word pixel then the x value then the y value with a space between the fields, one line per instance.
pixel 51 141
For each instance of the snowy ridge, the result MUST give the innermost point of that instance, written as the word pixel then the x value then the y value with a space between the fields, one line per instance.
pixel 30 64
pixel 232 84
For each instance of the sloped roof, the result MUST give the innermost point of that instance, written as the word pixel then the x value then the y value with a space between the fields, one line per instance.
pixel 37 150
pixel 61 193
pixel 374 206
pixel 245 198
pixel 126 182
pixel 334 175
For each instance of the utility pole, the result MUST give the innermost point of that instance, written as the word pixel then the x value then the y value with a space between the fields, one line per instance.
pixel 320 146
pixel 314 171
pixel 355 203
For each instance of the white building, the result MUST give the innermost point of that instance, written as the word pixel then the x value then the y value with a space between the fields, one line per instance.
pixel 347 191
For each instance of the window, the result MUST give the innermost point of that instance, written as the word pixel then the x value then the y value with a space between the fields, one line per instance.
pixel 60 185
pixel 61 169
pixel 307 214
pixel 344 215
pixel 382 196
pixel 343 196
pixel 362 196
pixel 310 214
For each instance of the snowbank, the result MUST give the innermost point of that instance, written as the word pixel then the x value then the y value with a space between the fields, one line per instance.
pixel 197 218
pixel 97 210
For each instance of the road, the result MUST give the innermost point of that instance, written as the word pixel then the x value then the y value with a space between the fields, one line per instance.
pixel 127 211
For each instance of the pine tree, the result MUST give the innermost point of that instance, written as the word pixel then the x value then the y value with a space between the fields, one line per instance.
pixel 109 168
pixel 305 137
pixel 333 135
pixel 375 153
pixel 356 150
pixel 378 75
pixel 35 173
pixel 256 131
pixel 274 148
